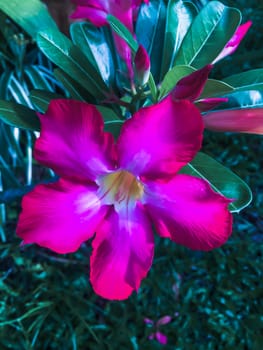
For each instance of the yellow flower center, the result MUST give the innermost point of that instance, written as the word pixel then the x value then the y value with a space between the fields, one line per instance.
pixel 120 187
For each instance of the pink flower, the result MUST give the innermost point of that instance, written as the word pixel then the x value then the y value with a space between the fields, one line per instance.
pixel 234 42
pixel 160 337
pixel 119 190
pixel 96 12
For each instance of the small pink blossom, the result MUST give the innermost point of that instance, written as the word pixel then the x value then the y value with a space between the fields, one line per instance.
pixel 157 334
pixel 114 192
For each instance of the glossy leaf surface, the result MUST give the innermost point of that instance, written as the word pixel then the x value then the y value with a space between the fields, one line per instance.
pixel 221 179
pixel 18 115
pixel 210 31
pixel 31 15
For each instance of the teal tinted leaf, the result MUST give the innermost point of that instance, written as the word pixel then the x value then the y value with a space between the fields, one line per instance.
pixel 18 115
pixel 221 179
pixel 210 31
pixel 94 44
pixel 108 115
pixel 60 50
pixel 179 18
pixel 31 15
pixel 150 29
pixel 243 99
pixel 74 89
pixel 41 99
pixel 123 32
pixel 36 78
pixel 12 194
pixel 19 91
pixel 251 80
pixel 4 82
pixel 215 87
pixel 172 77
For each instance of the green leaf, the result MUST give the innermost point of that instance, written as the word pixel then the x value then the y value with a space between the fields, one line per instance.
pixel 18 115
pixel 60 50
pixel 251 80
pixel 114 127
pixel 41 99
pixel 123 32
pixel 31 15
pixel 18 91
pixel 108 115
pixel 172 77
pixel 210 31
pixel 243 99
pixel 94 44
pixel 221 179
pixel 215 87
pixel 150 29
pixel 179 18
pixel 153 88
pixel 36 78
pixel 74 89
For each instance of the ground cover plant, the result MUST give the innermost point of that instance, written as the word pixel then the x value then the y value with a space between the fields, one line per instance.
pixel 190 298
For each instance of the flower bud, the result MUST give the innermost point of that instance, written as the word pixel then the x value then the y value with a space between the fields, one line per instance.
pixel 142 66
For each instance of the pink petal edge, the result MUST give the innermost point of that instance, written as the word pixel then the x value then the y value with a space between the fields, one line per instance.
pixel 60 216
pixel 189 212
pixel 122 253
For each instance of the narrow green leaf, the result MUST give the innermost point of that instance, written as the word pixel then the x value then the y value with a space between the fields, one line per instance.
pixel 250 80
pixel 18 115
pixel 19 91
pixel 31 15
pixel 221 179
pixel 123 32
pixel 210 31
pixel 60 50
pixel 36 78
pixel 172 77
pixel 153 88
pixel 74 89
pixel 179 18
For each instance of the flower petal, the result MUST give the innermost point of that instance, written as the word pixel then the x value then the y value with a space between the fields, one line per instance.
pixel 122 253
pixel 72 141
pixel 245 120
pixel 158 140
pixel 234 42
pixel 60 216
pixel 161 338
pixel 96 16
pixel 191 86
pixel 163 320
pixel 189 212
